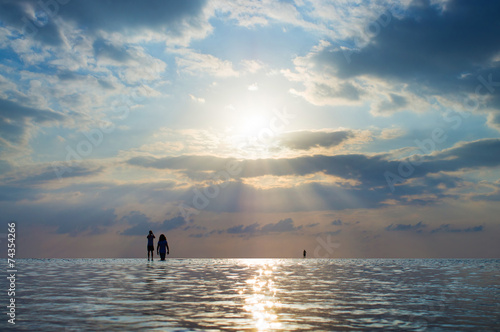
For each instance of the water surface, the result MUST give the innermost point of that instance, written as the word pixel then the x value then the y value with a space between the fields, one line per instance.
pixel 257 294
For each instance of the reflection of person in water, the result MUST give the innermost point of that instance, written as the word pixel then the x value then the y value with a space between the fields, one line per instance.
pixel 151 245
pixel 162 247
pixel 305 252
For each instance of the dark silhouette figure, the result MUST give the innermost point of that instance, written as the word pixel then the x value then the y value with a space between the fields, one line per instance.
pixel 162 247
pixel 305 252
pixel 151 245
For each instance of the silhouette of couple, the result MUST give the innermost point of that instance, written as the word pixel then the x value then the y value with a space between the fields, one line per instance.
pixel 162 247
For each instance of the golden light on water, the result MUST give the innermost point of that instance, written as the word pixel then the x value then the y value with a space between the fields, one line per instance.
pixel 261 301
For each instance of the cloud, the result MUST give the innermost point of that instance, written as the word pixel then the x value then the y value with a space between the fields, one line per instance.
pixel 241 229
pixel 337 232
pixel 394 102
pixel 197 99
pixel 42 174
pixel 251 14
pixel 426 42
pixel 253 87
pixel 305 140
pixel 448 229
pixel 5 166
pixel 127 17
pixel 135 217
pixel 193 163
pixel 78 221
pixel 27 18
pixel 284 225
pixel 391 133
pixel 424 51
pixel 173 223
pixel 15 119
pixel 251 66
pixel 195 63
pixel 73 217
pixel 143 224
pixel 337 222
pixel 104 49
pixel 409 227
pixel 369 170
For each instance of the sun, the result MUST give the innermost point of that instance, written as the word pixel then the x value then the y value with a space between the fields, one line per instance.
pixel 250 137
pixel 251 125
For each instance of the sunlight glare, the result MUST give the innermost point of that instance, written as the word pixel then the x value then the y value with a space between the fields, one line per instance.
pixel 263 303
pixel 251 124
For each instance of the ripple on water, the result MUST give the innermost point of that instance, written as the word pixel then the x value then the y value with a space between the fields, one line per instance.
pixel 253 294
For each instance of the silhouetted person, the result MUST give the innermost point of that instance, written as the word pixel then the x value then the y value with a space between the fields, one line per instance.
pixel 162 247
pixel 151 245
pixel 305 252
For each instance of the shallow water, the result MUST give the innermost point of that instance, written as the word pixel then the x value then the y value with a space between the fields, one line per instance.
pixel 257 294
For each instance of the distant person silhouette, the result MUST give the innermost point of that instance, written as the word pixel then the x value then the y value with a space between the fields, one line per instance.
pixel 305 252
pixel 151 245
pixel 162 247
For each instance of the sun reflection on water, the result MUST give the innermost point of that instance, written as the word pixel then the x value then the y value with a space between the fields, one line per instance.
pixel 260 297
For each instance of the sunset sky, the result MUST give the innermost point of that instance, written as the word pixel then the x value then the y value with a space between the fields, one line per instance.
pixel 251 128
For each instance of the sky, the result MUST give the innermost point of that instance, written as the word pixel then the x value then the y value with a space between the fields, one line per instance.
pixel 349 129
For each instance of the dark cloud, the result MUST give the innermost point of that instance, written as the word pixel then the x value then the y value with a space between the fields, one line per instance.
pixel 368 169
pixel 135 217
pixel 45 174
pixel 393 103
pixel 143 224
pixel 19 14
pixel 129 15
pixel 427 42
pixel 173 223
pixel 409 227
pixel 15 119
pixel 192 163
pixel 441 179
pixel 235 196
pixel 123 16
pixel 304 140
pixel 241 229
pixel 285 225
pixel 207 234
pixel 139 228
pixel 371 191
pixel 493 196
pixel 346 166
pixel 5 166
pixel 105 49
pixel 337 232
pixel 344 90
pixel 73 218
pixel 14 193
pixel 14 111
pixel 79 221
pixel 25 185
pixel 106 84
pixel 433 50
pixel 67 75
pixel 481 153
pixel 337 222
pixel 448 229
